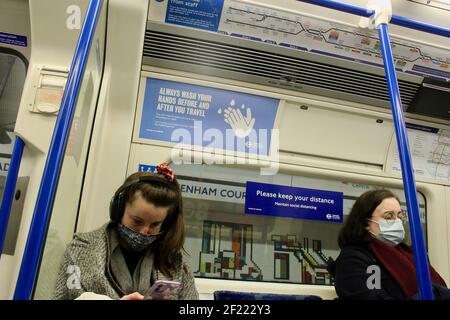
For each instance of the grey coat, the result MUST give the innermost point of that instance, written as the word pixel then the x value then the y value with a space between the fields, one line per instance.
pixel 91 264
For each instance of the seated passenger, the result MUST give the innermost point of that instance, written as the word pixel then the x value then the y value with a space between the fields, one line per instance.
pixel 142 243
pixel 374 263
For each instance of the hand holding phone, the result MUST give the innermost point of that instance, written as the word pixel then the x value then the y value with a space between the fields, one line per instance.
pixel 162 290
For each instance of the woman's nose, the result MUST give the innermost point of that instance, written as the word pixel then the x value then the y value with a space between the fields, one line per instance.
pixel 148 230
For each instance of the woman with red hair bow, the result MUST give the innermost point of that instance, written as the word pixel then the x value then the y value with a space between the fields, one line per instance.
pixel 142 243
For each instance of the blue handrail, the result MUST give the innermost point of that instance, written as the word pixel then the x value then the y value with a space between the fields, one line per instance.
pixel 419 249
pixel 397 20
pixel 418 241
pixel 10 187
pixel 421 26
pixel 341 6
pixel 47 189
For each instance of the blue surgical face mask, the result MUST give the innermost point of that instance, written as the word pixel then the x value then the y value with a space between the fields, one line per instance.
pixel 391 231
pixel 136 241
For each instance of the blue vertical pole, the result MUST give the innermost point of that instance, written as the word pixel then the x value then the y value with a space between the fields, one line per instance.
pixel 10 187
pixel 29 268
pixel 418 243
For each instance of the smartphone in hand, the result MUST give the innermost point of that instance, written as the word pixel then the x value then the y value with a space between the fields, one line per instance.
pixel 162 290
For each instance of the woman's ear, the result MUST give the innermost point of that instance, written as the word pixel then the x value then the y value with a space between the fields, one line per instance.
pixel 368 226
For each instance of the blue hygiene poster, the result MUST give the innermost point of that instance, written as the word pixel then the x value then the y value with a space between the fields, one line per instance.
pixel 13 39
pixel 200 14
pixel 207 117
pixel 293 202
pixel 147 168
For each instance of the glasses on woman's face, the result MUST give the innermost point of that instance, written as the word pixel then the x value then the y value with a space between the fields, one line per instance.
pixel 392 216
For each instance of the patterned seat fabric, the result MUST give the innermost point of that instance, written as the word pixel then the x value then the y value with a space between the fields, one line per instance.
pixel 239 295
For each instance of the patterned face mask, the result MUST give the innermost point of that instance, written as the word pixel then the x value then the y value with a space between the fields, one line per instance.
pixel 136 241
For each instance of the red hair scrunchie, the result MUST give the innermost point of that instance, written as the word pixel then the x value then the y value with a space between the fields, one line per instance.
pixel 165 170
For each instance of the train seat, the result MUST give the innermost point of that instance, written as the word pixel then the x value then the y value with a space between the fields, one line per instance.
pixel 240 295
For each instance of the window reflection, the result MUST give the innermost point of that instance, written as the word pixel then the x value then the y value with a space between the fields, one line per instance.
pixel 226 243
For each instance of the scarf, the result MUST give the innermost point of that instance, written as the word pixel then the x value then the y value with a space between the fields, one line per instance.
pixel 399 263
pixel 141 278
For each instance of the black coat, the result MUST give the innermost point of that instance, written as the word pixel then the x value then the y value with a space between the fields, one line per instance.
pixel 351 275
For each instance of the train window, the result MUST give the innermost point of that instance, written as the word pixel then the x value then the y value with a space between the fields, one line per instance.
pixel 224 242
pixel 13 67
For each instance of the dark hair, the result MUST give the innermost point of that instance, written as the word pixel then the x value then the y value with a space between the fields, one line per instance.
pixel 355 227
pixel 162 194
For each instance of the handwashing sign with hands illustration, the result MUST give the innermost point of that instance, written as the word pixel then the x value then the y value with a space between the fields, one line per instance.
pixel 241 125
pixel 223 125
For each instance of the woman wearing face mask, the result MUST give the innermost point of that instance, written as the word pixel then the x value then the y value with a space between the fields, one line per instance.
pixel 141 244
pixel 374 263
